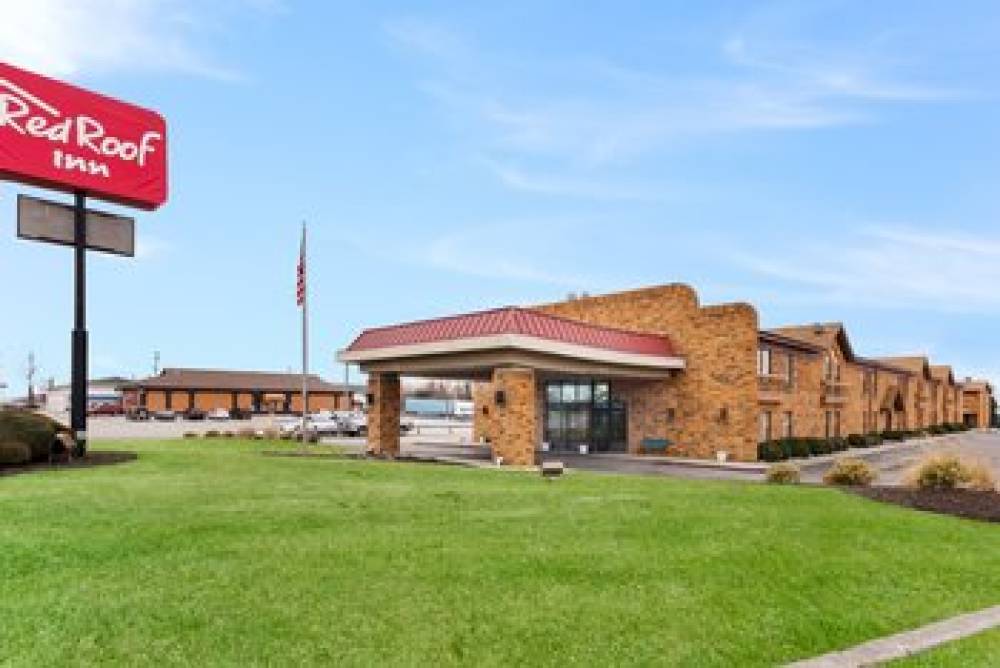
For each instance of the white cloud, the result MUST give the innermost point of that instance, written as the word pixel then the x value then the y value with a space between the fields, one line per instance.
pixel 595 114
pixel 573 186
pixel 891 267
pixel 66 37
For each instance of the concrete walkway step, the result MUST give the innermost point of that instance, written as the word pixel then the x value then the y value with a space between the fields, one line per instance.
pixel 907 643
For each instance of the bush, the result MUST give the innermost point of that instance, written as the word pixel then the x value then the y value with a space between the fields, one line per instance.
pixel 38 432
pixel 13 453
pixel 850 471
pixel 893 435
pixel 190 434
pixel 820 446
pixel 212 433
pixel 980 477
pixel 229 434
pixel 856 441
pixel 783 474
pixel 838 444
pixel 936 430
pixel 944 471
pixel 873 439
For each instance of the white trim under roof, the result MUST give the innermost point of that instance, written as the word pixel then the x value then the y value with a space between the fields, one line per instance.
pixel 512 341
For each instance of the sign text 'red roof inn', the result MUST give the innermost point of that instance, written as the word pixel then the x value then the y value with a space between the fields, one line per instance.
pixel 62 137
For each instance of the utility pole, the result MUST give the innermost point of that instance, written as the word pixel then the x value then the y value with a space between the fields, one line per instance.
pixel 30 375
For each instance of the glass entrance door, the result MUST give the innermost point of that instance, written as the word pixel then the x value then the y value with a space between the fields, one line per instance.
pixel 584 413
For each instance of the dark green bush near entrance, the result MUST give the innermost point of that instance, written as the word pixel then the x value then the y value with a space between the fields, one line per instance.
pixel 37 432
pixel 873 439
pixel 838 444
pixel 13 453
pixel 770 451
pixel 856 441
pixel 893 435
pixel 820 446
pixel 936 430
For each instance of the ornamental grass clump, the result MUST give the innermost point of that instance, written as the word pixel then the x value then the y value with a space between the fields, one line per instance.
pixel 945 471
pixel 851 472
pixel 783 474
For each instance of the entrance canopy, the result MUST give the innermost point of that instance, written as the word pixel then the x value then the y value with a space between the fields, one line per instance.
pixel 470 346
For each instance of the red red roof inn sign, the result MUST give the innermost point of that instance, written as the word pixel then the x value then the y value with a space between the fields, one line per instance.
pixel 62 137
pixel 54 135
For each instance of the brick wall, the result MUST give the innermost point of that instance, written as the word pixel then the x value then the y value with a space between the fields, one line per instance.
pixel 383 414
pixel 714 398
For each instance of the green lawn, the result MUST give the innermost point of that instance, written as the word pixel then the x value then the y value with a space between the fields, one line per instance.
pixel 207 552
pixel 978 651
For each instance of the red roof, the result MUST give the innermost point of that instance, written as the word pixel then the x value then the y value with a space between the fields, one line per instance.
pixel 518 321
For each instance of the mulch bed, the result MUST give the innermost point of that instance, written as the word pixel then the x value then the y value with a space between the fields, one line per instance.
pixel 89 460
pixel 966 503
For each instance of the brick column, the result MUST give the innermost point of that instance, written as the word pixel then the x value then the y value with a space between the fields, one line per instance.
pixel 383 414
pixel 517 420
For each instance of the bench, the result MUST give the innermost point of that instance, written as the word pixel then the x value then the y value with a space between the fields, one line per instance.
pixel 658 445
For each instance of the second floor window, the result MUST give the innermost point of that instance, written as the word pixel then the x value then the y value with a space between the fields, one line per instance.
pixel 790 368
pixel 763 362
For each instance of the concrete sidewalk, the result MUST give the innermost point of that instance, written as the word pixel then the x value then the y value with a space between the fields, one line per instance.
pixel 907 643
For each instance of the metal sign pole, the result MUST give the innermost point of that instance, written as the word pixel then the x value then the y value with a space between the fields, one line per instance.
pixel 78 414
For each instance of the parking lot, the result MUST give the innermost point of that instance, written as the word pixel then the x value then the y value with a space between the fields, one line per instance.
pixel 117 427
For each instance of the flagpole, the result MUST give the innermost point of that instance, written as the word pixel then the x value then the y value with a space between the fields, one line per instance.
pixel 305 336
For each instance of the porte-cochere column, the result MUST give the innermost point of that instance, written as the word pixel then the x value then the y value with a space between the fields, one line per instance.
pixel 517 421
pixel 383 414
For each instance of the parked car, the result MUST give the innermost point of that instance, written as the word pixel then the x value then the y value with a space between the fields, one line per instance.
pixel 353 423
pixel 194 414
pixel 164 415
pixel 405 426
pixel 137 413
pixel 110 408
pixel 218 414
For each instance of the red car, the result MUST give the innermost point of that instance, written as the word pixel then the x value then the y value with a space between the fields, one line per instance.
pixel 106 409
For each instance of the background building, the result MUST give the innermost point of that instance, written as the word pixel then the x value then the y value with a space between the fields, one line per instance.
pixel 180 389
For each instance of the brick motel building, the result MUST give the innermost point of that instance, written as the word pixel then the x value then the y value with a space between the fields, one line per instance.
pixel 624 371
pixel 251 391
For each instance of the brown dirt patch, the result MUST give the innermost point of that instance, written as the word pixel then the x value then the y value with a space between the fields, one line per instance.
pixel 89 460
pixel 966 503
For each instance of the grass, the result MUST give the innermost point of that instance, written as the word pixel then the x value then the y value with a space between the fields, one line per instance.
pixel 978 651
pixel 206 552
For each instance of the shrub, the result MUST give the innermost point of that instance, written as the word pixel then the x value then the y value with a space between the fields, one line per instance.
pixel 212 433
pixel 980 477
pixel 873 439
pixel 838 444
pixel 820 446
pixel 936 430
pixel 31 429
pixel 856 441
pixel 783 474
pixel 801 447
pixel 190 434
pixel 228 434
pixel 944 471
pixel 850 471
pixel 893 435
pixel 771 451
pixel 14 452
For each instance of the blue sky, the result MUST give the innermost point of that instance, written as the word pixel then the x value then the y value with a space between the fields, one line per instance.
pixel 822 160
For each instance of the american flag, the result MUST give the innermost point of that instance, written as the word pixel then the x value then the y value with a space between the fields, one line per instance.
pixel 300 292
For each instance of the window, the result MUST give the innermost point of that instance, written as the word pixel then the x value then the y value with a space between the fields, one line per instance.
pixel 671 415
pixel 831 368
pixel 765 426
pixel 836 424
pixel 828 431
pixel 790 369
pixel 763 362
pixel 786 425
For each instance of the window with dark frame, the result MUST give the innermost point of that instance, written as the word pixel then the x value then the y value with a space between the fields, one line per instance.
pixel 764 362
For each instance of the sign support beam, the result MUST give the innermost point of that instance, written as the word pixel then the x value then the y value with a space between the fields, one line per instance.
pixel 78 408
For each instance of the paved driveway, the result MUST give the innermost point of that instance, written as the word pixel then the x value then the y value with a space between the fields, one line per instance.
pixel 892 464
